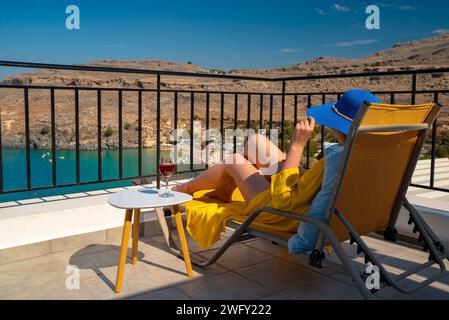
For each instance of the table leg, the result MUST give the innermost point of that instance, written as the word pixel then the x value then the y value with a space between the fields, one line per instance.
pixel 123 250
pixel 182 238
pixel 166 232
pixel 136 230
pixel 171 244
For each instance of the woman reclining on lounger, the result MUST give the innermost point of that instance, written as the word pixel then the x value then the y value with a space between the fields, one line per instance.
pixel 245 173
pixel 288 188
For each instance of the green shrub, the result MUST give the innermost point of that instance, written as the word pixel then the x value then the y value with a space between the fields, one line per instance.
pixel 254 125
pixel 443 138
pixel 217 71
pixel 45 130
pixel 127 126
pixel 442 152
pixel 108 133
pixel 331 139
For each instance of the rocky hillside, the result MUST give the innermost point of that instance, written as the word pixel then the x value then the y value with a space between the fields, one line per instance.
pixel 428 53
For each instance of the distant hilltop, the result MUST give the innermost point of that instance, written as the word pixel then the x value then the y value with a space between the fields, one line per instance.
pixel 427 53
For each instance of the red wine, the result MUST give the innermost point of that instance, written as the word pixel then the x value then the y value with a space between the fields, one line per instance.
pixel 167 169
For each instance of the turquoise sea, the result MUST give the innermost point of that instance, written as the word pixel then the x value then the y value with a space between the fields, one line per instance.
pixel 14 170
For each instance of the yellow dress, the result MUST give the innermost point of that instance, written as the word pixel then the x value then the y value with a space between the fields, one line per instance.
pixel 290 191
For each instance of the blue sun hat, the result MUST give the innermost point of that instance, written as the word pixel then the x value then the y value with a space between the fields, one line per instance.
pixel 339 115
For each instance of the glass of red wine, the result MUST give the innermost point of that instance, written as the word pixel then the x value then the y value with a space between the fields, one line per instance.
pixel 166 168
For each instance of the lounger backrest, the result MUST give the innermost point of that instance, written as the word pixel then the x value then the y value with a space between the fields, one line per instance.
pixel 379 165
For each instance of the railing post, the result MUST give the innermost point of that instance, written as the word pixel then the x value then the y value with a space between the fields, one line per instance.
pixel 433 150
pixel 236 123
pixel 222 125
pixel 248 115
pixel 27 137
pixel 175 110
pixel 139 129
pixel 77 136
pixel 283 115
pixel 261 111
pixel 309 104
pixel 207 126
pixel 158 129
pixel 323 101
pixel 53 137
pixel 413 88
pixel 120 134
pixel 192 128
pixel 99 131
pixel 175 125
pixel 295 115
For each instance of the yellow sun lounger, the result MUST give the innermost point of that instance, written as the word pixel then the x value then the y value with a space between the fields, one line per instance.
pixel 376 168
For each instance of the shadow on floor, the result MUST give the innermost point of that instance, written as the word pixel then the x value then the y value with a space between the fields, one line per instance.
pixel 401 263
pixel 96 257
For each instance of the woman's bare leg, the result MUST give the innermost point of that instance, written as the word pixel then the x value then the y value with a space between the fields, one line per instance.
pixel 212 178
pixel 245 176
pixel 264 154
pixel 259 151
pixel 223 193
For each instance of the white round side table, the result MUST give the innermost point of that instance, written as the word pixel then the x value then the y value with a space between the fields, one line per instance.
pixel 134 201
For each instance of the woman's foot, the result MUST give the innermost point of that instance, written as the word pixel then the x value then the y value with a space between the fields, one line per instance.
pixel 182 187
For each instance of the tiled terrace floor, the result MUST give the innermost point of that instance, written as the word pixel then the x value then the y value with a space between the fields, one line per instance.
pixel 254 269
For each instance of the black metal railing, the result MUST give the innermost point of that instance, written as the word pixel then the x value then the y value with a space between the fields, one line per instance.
pixel 303 99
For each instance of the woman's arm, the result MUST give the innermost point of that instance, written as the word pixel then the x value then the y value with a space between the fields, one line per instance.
pixel 301 135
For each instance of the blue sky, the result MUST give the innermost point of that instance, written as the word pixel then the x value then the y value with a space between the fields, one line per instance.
pixel 214 34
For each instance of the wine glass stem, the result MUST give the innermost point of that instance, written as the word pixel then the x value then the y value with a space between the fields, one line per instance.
pixel 166 185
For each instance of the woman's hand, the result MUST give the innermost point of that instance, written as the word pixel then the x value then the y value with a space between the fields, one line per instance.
pixel 303 132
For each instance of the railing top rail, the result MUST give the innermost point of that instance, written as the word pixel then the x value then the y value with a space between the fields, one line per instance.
pixel 365 74
pixel 216 76
pixel 127 70
pixel 199 91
